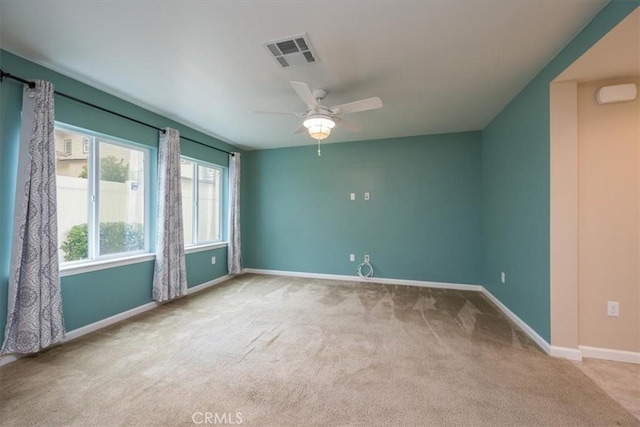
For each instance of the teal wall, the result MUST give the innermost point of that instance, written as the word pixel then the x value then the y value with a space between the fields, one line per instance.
pixel 90 297
pixel 515 185
pixel 93 296
pixel 421 223
pixel 456 208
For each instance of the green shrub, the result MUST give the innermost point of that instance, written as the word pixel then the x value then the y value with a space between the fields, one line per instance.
pixel 120 237
pixel 111 169
pixel 76 245
pixel 115 237
pixel 84 173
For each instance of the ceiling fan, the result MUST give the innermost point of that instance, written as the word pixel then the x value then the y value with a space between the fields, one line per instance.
pixel 320 119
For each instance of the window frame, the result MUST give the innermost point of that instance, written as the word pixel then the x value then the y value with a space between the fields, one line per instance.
pixel 94 139
pixel 195 164
pixel 68 147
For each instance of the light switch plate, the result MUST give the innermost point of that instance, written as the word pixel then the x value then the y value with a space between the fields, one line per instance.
pixel 613 308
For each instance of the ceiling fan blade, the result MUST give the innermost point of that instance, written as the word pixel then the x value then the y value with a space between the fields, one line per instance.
pixel 288 113
pixel 348 125
pixel 357 106
pixel 299 129
pixel 305 94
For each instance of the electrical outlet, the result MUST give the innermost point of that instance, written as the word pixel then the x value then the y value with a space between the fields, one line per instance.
pixel 366 258
pixel 352 257
pixel 213 260
pixel 353 196
pixel 366 196
pixel 503 277
pixel 613 308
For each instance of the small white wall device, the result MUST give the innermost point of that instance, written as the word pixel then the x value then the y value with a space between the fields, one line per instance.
pixel 616 93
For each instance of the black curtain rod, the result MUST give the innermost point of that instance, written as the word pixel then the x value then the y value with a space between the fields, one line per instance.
pixel 73 98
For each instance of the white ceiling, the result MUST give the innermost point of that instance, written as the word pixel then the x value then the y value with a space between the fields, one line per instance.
pixel 438 65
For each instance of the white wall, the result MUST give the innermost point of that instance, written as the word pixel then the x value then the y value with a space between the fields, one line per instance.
pixel 608 219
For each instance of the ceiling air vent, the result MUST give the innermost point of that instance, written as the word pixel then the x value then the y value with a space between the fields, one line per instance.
pixel 292 51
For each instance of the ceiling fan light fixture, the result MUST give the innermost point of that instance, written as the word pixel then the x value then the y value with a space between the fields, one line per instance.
pixel 319 126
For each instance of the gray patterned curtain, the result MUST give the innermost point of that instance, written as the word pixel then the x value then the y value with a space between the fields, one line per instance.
pixel 234 252
pixel 170 274
pixel 34 317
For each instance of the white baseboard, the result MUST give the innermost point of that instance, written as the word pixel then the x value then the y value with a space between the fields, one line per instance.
pixel 526 328
pixel 208 284
pixel 92 327
pixel 133 312
pixel 555 351
pixel 382 280
pixel 456 286
pixel 609 354
pixel 5 360
pixel 566 353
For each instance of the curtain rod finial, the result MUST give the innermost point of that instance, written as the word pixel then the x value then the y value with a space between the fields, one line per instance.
pixel 4 74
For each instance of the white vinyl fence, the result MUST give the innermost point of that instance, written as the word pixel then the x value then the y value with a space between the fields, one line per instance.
pixel 123 202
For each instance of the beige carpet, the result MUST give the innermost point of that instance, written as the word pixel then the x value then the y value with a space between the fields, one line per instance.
pixel 275 351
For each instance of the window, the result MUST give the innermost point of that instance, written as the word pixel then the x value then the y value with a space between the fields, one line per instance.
pixel 102 196
pixel 68 144
pixel 201 202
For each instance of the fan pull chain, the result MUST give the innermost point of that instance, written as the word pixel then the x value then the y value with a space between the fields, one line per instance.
pixel 319 152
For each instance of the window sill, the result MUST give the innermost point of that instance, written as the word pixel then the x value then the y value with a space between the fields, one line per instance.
pixel 71 270
pixel 205 247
